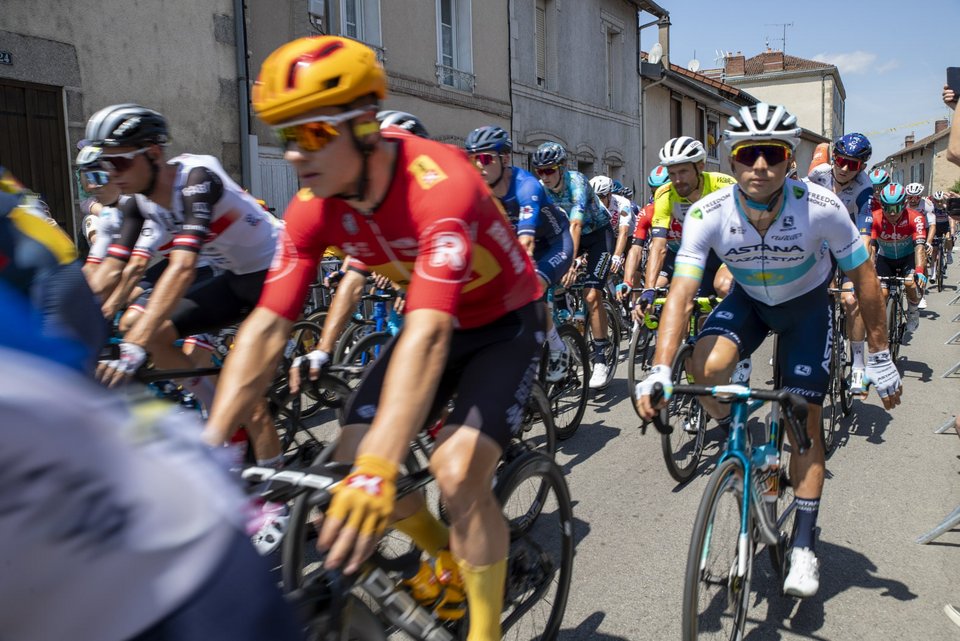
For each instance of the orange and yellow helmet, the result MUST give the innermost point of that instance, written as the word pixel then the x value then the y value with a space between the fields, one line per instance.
pixel 309 73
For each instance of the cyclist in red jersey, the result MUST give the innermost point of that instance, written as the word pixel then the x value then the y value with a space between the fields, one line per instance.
pixel 417 212
pixel 657 178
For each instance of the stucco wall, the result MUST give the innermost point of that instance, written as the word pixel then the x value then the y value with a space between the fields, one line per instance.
pixel 175 56
pixel 945 173
pixel 803 97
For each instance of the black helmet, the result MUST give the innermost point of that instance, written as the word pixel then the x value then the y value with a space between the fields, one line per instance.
pixel 127 125
pixel 403 120
pixel 549 154
pixel 488 138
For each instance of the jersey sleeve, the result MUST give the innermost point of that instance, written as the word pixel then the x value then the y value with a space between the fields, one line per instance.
pixel 876 226
pixel 151 237
pixel 842 236
pixel 529 201
pixel 644 218
pixel 662 212
pixel 919 228
pixel 443 266
pixel 297 257
pixel 121 247
pixel 695 244
pixel 201 192
pixel 579 192
pixel 626 212
pixel 865 211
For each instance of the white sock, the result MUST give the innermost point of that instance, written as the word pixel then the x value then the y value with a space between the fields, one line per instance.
pixel 271 462
pixel 203 389
pixel 858 353
pixel 554 340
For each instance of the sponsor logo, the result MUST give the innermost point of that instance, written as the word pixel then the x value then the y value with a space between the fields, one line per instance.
pixel 695 213
pixel 798 192
pixel 200 208
pixel 736 229
pixel 358 250
pixel 349 223
pixel 126 126
pixel 557 259
pixel 803 370
pixel 722 315
pixel 526 212
pixel 194 190
pixel 763 247
pixel 252 219
pixel 372 485
pixel 449 250
pixel 305 194
pixel 788 222
pixel 508 243
pixel 426 172
pixel 786 238
pixel 284 258
pixel 715 204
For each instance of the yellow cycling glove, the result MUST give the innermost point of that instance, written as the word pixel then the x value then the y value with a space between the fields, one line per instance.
pixel 364 500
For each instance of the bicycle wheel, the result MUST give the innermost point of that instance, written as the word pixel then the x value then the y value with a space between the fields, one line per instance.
pixel 893 322
pixel 366 350
pixel 683 447
pixel 784 509
pixel 643 342
pixel 540 560
pixel 842 357
pixel 537 432
pixel 353 333
pixel 716 594
pixel 568 397
pixel 941 268
pixel 304 338
pixel 831 410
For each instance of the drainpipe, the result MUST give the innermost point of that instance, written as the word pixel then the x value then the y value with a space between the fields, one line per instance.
pixel 243 90
pixel 643 89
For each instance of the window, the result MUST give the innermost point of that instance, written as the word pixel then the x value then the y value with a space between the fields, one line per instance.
pixel 676 116
pixel 913 173
pixel 713 127
pixel 360 20
pixel 585 167
pixel 613 68
pixel 541 28
pixel 454 47
pixel 920 179
pixel 701 125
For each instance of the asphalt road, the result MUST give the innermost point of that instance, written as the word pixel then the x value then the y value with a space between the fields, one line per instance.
pixel 889 480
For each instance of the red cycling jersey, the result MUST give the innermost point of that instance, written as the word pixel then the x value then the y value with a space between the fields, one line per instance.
pixel 439 232
pixel 897 240
pixel 644 220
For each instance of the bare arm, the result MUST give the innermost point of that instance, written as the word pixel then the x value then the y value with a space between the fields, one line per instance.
pixel 632 262
pixel 106 277
pixel 870 298
pixel 176 279
pixel 120 297
pixel 344 302
pixel 655 257
pixel 920 255
pixel 247 372
pixel 622 238
pixel 529 243
pixel 953 143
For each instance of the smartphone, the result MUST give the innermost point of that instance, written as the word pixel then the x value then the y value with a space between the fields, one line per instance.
pixel 953 79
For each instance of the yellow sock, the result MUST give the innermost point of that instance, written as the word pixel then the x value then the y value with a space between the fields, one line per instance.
pixel 427 532
pixel 484 586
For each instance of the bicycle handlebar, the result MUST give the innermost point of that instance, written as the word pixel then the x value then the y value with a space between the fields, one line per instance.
pixel 794 406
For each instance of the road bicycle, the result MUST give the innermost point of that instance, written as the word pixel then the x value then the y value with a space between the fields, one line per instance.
pixel 748 502
pixel 896 312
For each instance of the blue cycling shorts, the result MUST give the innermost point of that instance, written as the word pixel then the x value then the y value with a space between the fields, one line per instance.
pixel 553 257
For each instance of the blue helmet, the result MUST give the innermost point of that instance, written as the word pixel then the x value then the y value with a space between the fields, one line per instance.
pixel 549 154
pixel 618 188
pixel 893 194
pixel 488 138
pixel 853 146
pixel 658 177
pixel 879 177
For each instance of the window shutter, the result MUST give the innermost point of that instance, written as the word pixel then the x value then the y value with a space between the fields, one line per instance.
pixel 541 44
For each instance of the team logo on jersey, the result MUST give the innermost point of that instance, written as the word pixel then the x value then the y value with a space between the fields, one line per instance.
pixel 797 192
pixel 788 222
pixel 284 258
pixel 426 171
pixel 526 212
pixel 695 213
pixel 803 370
pixel 305 194
pixel 349 224
pixel 446 256
pixel 449 250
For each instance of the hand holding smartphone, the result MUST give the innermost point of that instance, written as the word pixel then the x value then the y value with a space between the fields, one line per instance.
pixel 953 84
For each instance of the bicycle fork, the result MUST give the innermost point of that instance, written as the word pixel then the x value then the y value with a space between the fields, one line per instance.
pixel 401 609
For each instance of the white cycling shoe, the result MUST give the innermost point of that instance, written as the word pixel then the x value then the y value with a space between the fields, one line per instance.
pixel 558 361
pixel 923 303
pixel 599 377
pixel 803 580
pixel 857 387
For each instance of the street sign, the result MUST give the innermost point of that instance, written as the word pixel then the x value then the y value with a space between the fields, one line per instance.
pixel 6 58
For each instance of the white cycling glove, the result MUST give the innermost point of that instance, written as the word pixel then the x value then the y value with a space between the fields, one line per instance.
pixel 317 359
pixel 658 374
pixel 132 356
pixel 615 261
pixel 882 372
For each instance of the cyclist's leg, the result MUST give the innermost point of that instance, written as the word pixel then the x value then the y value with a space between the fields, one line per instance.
pixel 553 260
pixel 857 332
pixel 469 447
pixel 596 247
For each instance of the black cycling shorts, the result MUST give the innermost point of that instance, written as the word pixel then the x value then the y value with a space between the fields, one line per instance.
pixel 222 301
pixel 489 373
pixel 942 228
pixel 597 246
pixel 805 335
pixel 153 274
pixel 899 267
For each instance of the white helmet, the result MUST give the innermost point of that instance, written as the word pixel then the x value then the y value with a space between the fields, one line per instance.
pixel 680 150
pixel 88 155
pixel 914 189
pixel 602 185
pixel 762 122
pixel 939 195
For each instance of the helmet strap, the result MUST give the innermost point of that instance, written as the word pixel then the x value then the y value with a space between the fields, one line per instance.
pixel 365 149
pixel 154 173
pixel 503 171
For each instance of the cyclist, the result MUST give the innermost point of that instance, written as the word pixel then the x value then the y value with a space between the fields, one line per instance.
pixel 116 508
pixel 900 234
pixel 622 220
pixel 416 211
pixel 404 120
pixel 846 178
pixel 945 227
pixel 684 159
pixel 772 231
pixel 542 227
pixel 40 262
pixel 879 178
pixel 592 238
pixel 658 177
pixel 917 202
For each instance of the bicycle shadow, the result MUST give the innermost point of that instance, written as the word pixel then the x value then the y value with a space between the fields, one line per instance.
pixel 606 399
pixel 587 629
pixel 841 569
pixel 924 371
pixel 588 440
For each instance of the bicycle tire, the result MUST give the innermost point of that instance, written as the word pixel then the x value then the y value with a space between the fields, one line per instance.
pixel 364 352
pixel 892 327
pixel 843 358
pixel 306 337
pixel 941 266
pixel 613 335
pixel 568 397
pixel 639 356
pixel 531 571
pixel 733 595
pixel 353 333
pixel 683 447
pixel 830 410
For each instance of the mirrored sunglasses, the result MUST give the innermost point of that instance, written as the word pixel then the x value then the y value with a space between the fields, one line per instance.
pixel 483 160
pixel 96 177
pixel 774 154
pixel 547 171
pixel 850 164
pixel 119 163
pixel 313 134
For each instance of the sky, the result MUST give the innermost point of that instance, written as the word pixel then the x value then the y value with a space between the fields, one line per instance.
pixel 892 56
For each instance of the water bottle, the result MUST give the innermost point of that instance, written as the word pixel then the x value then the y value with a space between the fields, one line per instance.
pixel 766 459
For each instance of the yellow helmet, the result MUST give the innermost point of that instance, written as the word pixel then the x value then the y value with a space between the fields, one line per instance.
pixel 322 71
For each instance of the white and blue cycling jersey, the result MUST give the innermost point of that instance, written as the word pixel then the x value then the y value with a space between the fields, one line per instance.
pixel 530 209
pixel 855 195
pixel 788 261
pixel 580 202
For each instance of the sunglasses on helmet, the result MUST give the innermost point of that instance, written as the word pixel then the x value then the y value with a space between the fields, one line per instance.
pixel 313 134
pixel 96 177
pixel 850 164
pixel 773 153
pixel 483 160
pixel 119 163
pixel 547 171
